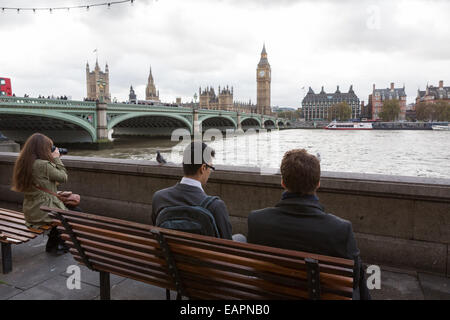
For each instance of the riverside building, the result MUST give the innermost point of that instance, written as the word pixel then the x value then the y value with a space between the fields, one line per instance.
pixel 433 94
pixel 315 106
pixel 378 96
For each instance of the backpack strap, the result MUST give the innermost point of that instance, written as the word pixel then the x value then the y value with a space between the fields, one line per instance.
pixel 207 201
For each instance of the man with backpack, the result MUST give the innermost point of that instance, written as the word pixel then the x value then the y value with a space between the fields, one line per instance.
pixel 186 207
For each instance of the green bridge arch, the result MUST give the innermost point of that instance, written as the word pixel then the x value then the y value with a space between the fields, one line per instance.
pixel 55 115
pixel 255 118
pixel 218 116
pixel 118 119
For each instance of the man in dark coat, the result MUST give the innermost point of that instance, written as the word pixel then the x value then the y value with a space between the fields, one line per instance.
pixel 299 222
pixel 197 166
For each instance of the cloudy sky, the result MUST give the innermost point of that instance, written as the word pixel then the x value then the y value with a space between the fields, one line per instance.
pixel 218 42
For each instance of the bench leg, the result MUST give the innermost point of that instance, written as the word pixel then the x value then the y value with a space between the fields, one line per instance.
pixel 6 257
pixel 167 294
pixel 105 293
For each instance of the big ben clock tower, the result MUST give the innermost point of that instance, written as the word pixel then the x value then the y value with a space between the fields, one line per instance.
pixel 263 77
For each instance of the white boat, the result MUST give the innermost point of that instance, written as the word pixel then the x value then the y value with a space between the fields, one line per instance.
pixel 349 126
pixel 441 128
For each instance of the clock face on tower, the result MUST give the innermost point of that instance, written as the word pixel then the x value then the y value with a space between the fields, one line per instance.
pixel 262 73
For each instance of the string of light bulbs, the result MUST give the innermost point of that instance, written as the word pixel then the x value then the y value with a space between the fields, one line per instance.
pixel 51 9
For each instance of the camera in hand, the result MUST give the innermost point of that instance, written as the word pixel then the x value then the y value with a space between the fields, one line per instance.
pixel 61 150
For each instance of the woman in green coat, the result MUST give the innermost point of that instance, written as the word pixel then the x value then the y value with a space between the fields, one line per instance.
pixel 37 166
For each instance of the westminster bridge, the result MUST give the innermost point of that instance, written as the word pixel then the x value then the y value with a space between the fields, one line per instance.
pixel 72 121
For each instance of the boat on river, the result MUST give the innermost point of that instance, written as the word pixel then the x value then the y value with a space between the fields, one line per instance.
pixel 441 128
pixel 349 126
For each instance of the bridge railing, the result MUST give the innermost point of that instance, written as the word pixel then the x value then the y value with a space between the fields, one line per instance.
pixel 44 102
pixel 155 107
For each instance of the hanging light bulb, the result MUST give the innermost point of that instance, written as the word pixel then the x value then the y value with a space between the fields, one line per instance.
pixel 18 10
pixel 50 10
pixel 109 5
pixel 34 10
pixel 87 8
pixel 3 10
pixel 132 2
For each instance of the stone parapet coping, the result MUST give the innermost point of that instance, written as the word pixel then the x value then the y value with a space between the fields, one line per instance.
pixel 429 189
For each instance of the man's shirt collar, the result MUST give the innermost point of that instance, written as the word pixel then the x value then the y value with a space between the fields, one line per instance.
pixel 192 182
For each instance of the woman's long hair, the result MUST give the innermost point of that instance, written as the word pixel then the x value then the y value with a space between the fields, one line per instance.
pixel 38 146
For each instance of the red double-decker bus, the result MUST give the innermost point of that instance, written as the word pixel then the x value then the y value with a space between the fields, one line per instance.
pixel 5 87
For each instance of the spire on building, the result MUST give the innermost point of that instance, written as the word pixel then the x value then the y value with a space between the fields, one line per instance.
pixel 150 91
pixel 150 76
pixel 337 90
pixel 132 96
pixel 263 61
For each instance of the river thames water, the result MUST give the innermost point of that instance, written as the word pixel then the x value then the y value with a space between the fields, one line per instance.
pixel 396 152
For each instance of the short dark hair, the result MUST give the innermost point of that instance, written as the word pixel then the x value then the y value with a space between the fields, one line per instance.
pixel 196 154
pixel 300 171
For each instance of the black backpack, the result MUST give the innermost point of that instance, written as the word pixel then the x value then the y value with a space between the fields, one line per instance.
pixel 193 219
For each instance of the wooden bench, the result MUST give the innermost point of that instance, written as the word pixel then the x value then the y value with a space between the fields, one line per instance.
pixel 199 267
pixel 14 231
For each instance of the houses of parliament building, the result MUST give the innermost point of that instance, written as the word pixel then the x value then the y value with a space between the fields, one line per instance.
pixel 223 100
pixel 98 89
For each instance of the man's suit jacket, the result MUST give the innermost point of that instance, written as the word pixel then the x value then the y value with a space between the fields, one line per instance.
pixel 300 223
pixel 183 194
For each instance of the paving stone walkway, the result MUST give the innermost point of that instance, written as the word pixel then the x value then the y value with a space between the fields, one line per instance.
pixel 38 275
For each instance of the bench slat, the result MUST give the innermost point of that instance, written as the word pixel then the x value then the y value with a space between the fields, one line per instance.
pixel 329 282
pixel 119 244
pixel 209 285
pixel 156 264
pixel 157 273
pixel 129 274
pixel 14 214
pixel 111 227
pixel 11 219
pixel 114 235
pixel 15 237
pixel 283 261
pixel 29 235
pixel 273 288
pixel 237 269
pixel 261 266
pixel 115 249
pixel 68 213
pixel 346 263
pixel 216 291
pixel 19 227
